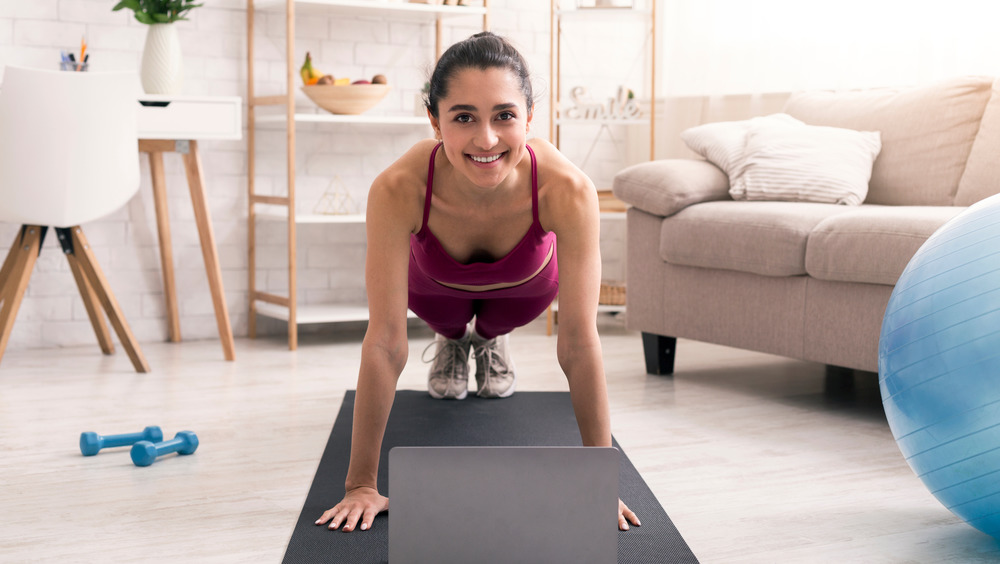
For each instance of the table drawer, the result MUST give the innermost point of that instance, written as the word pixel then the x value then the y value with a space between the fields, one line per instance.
pixel 190 117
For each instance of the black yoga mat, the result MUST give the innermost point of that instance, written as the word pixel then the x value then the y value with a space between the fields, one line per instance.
pixel 524 419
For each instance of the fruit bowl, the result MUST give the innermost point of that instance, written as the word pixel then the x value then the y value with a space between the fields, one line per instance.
pixel 349 99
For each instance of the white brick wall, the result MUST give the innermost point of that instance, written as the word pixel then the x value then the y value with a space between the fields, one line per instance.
pixel 214 43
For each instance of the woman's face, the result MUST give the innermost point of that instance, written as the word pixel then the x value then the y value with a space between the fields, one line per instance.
pixel 483 123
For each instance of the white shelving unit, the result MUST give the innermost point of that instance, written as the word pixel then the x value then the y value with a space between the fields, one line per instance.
pixel 558 122
pixel 609 16
pixel 286 308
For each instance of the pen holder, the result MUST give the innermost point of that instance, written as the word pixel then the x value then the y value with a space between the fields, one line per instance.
pixel 73 66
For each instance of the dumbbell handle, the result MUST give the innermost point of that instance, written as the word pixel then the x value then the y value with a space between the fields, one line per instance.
pixel 125 439
pixel 173 445
pixel 145 453
pixel 91 443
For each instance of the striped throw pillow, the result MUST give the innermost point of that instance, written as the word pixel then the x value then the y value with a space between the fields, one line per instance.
pixel 722 143
pixel 806 163
pixel 778 157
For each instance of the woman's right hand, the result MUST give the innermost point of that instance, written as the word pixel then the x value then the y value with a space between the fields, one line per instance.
pixel 360 503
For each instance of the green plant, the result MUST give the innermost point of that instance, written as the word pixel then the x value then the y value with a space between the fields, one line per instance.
pixel 157 11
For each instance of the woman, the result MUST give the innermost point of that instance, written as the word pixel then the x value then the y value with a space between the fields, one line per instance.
pixel 464 228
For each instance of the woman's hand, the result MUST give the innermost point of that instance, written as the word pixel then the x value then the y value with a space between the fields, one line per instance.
pixel 626 516
pixel 361 503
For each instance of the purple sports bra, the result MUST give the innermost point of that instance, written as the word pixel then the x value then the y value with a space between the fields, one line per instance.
pixel 534 257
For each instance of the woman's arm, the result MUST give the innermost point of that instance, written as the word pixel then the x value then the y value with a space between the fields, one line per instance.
pixel 390 220
pixel 578 346
pixel 569 207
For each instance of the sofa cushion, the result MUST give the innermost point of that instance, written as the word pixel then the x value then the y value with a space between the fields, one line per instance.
pixel 666 186
pixel 723 143
pixel 927 134
pixel 767 238
pixel 981 178
pixel 805 163
pixel 872 244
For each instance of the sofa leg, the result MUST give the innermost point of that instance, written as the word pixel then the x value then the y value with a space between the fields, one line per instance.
pixel 659 353
pixel 839 381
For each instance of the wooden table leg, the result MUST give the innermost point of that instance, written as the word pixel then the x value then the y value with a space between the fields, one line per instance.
pixel 166 247
pixel 196 183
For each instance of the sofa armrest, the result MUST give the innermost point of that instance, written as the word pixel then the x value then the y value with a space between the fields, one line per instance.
pixel 665 187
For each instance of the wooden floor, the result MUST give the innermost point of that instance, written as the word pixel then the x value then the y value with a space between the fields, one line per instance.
pixel 751 455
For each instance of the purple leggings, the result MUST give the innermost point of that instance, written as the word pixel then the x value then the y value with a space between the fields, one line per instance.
pixel 498 312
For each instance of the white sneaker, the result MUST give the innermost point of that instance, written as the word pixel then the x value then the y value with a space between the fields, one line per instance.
pixel 449 374
pixel 494 367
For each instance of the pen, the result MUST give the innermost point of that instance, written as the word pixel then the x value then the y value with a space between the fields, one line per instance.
pixel 83 48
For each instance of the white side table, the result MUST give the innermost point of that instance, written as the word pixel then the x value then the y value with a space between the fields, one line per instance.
pixel 173 124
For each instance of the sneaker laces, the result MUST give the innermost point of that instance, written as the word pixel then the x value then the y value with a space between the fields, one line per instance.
pixel 494 361
pixel 450 348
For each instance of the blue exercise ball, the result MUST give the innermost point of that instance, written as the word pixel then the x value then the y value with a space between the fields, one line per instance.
pixel 939 364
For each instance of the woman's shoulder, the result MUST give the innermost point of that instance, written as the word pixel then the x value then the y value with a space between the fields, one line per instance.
pixel 565 193
pixel 556 170
pixel 399 190
pixel 411 167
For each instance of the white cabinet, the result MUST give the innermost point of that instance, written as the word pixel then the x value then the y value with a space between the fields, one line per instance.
pixel 269 207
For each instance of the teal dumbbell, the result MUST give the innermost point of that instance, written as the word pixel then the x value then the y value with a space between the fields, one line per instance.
pixel 145 453
pixel 91 443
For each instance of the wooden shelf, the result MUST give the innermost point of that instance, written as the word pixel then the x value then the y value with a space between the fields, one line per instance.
pixel 381 9
pixel 603 13
pixel 270 112
pixel 568 121
pixel 606 16
pixel 319 313
pixel 312 217
pixel 335 118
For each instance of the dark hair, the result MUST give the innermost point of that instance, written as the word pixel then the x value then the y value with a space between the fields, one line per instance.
pixel 482 51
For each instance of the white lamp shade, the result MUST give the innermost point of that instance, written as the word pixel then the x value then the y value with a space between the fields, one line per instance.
pixel 68 145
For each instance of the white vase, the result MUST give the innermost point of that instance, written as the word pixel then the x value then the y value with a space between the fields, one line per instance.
pixel 162 64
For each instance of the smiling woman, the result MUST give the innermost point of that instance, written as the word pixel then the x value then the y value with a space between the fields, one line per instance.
pixel 476 232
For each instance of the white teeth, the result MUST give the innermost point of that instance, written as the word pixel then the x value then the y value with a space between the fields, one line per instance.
pixel 486 159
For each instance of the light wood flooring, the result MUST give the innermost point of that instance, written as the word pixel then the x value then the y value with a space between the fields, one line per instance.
pixel 753 459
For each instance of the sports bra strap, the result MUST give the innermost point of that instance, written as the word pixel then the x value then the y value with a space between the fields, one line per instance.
pixel 430 187
pixel 534 185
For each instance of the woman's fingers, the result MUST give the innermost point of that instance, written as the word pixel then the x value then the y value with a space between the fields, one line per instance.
pixel 626 516
pixel 338 517
pixel 368 516
pixel 352 519
pixel 356 506
pixel 632 517
pixel 328 514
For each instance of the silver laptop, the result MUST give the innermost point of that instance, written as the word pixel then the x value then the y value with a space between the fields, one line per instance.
pixel 503 504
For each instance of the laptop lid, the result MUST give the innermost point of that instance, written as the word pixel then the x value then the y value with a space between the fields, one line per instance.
pixel 503 504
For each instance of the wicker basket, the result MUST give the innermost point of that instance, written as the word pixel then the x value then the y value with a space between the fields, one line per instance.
pixel 612 293
pixel 349 99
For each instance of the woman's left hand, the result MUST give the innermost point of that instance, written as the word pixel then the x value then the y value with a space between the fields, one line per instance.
pixel 626 516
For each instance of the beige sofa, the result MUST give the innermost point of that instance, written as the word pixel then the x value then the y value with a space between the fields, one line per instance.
pixel 797 279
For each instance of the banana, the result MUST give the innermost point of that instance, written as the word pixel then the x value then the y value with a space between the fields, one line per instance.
pixel 309 74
